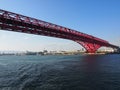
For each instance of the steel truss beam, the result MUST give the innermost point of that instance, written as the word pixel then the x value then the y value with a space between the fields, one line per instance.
pixel 20 23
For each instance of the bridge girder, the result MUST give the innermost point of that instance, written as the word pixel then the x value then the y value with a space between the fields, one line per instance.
pixel 19 23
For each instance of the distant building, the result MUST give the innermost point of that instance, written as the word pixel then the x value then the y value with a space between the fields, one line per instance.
pixel 45 52
pixel 31 53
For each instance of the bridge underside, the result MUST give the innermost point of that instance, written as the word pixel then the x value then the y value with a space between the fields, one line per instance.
pixel 90 47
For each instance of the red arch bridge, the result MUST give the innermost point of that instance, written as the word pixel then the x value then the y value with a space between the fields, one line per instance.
pixel 20 23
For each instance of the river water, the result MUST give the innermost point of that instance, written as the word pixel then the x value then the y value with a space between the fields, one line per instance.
pixel 75 72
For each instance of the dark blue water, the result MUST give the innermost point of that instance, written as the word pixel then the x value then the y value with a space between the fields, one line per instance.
pixel 77 72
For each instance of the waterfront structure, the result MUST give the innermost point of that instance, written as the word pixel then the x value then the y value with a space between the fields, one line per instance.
pixel 20 23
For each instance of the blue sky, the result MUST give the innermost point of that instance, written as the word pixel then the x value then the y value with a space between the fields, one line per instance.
pixel 100 18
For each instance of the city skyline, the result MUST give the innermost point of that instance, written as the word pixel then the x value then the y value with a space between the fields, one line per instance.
pixel 98 18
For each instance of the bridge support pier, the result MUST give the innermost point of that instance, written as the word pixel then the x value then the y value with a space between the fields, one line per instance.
pixel 90 47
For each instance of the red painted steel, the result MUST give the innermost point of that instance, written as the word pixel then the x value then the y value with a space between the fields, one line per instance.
pixel 90 47
pixel 19 23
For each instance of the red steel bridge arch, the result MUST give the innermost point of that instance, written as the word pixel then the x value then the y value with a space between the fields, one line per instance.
pixel 20 23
